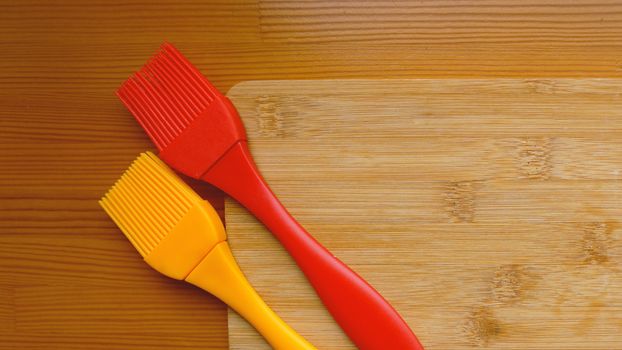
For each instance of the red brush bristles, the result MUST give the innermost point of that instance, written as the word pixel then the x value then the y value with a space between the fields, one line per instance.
pixel 166 95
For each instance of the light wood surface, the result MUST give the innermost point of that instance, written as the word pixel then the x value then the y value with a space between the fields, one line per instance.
pixel 486 210
pixel 68 279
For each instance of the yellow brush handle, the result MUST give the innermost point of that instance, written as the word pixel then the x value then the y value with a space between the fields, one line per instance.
pixel 220 275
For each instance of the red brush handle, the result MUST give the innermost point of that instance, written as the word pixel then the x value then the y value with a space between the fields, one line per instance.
pixel 364 315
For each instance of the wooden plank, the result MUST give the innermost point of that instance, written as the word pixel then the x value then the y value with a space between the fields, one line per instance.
pixel 485 210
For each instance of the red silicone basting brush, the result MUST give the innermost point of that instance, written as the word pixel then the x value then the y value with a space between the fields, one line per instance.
pixel 199 133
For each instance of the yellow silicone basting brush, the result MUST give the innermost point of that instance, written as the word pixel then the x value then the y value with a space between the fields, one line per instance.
pixel 180 235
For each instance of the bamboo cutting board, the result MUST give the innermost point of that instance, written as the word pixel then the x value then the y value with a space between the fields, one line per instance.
pixel 486 211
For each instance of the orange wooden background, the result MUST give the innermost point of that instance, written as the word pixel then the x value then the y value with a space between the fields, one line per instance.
pixel 68 278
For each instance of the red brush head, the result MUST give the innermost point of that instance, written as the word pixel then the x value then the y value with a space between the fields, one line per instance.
pixel 191 122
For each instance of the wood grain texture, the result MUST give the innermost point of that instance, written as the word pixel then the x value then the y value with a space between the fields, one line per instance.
pixel 486 210
pixel 68 279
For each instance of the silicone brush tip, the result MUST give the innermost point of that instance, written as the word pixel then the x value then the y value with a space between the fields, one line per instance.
pixel 148 201
pixel 166 95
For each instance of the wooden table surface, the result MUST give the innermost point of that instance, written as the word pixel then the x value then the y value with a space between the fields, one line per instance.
pixel 68 278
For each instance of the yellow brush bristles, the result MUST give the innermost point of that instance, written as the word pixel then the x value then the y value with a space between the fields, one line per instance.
pixel 148 201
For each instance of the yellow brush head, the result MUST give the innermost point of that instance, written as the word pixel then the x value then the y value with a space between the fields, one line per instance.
pixel 148 201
